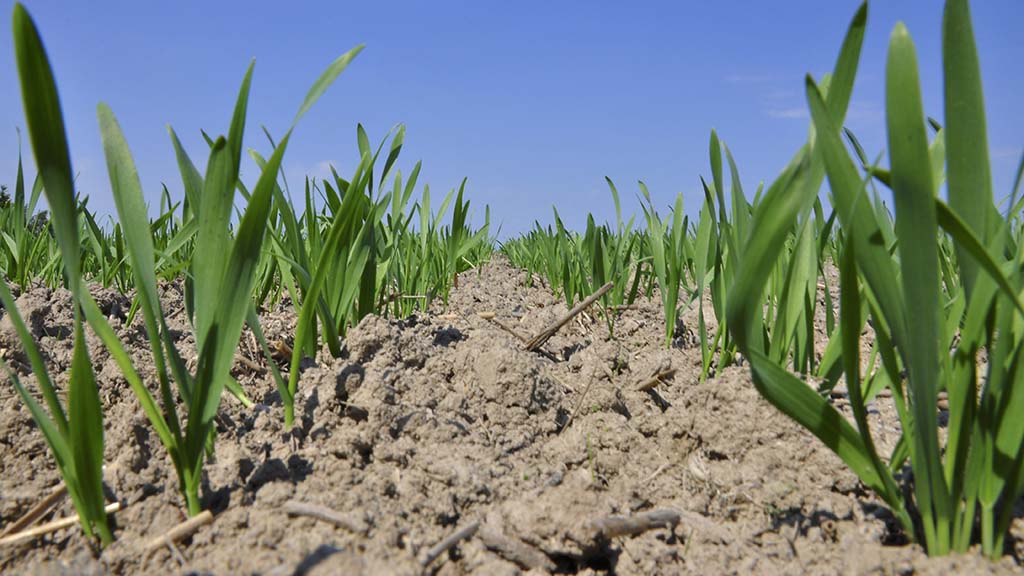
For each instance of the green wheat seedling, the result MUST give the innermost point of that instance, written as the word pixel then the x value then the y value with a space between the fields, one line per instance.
pixel 26 244
pixel 219 312
pixel 333 270
pixel 29 252
pixel 613 256
pixel 944 291
pixel 717 244
pixel 705 251
pixel 667 243
pixel 75 437
pixel 417 266
pixel 575 266
pixel 363 258
pixel 353 250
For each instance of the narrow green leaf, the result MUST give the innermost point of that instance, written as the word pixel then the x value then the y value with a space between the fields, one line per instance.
pixel 396 149
pixel 86 435
pixel 46 132
pixel 131 208
pixel 237 130
pixel 106 334
pixel 232 305
pixel 851 325
pixel 814 413
pixel 969 175
pixel 214 216
pixel 324 82
pixel 916 228
pixel 191 179
pixel 975 251
pixel 855 211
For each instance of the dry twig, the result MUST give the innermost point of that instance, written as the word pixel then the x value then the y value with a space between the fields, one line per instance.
pixel 656 379
pixel 251 365
pixel 515 550
pixel 492 317
pixel 655 474
pixel 614 526
pixel 539 340
pixel 36 512
pixel 545 334
pixel 325 514
pixel 183 530
pixel 443 546
pixel 50 527
pixel 579 403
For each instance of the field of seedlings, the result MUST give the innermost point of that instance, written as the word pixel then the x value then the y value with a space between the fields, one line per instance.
pixel 822 374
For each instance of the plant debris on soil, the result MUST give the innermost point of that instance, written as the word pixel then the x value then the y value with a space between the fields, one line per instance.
pixel 439 444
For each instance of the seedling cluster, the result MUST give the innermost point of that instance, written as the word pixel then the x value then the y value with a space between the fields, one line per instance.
pixel 934 289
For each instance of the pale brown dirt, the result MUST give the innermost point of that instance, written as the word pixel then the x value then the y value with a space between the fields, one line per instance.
pixel 431 423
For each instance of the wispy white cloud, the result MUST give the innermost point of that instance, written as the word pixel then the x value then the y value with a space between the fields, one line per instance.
pixel 1007 152
pixel 859 112
pixel 322 169
pixel 780 95
pixel 748 78
pixel 793 113
pixel 865 111
pixel 316 170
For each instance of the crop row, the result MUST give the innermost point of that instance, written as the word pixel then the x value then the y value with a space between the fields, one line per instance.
pixel 353 250
pixel 939 280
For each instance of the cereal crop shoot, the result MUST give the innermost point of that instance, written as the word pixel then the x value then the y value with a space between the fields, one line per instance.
pixel 232 373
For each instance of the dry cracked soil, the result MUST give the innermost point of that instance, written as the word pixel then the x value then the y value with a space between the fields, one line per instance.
pixel 444 423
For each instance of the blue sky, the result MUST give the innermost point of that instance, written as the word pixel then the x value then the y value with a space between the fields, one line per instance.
pixel 534 102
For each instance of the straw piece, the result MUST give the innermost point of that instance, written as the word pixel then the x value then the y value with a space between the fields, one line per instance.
pixel 614 526
pixel 325 514
pixel 539 340
pixel 444 545
pixel 37 511
pixel 656 379
pixel 50 527
pixel 183 530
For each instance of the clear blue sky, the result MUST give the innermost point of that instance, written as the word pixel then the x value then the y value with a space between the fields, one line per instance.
pixel 534 102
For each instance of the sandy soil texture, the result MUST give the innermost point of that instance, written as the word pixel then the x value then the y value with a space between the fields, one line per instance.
pixel 566 461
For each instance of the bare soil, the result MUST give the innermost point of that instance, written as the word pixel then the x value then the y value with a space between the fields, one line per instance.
pixel 441 422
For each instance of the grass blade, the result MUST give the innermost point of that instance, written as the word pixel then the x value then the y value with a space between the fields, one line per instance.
pixel 86 436
pixel 326 79
pixel 83 430
pixel 916 228
pixel 969 176
pixel 49 143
